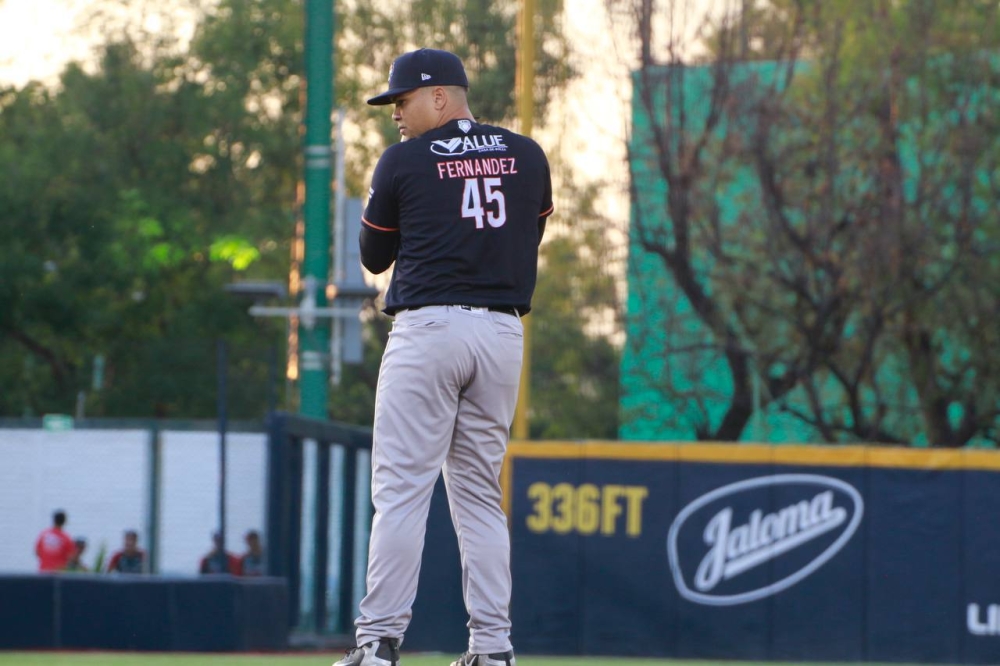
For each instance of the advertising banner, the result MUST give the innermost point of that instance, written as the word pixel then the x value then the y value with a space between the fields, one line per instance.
pixel 755 553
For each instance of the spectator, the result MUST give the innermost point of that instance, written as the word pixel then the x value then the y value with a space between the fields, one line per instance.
pixel 76 561
pixel 130 559
pixel 252 561
pixel 218 561
pixel 54 547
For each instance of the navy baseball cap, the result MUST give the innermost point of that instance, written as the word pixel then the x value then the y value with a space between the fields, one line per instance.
pixel 420 69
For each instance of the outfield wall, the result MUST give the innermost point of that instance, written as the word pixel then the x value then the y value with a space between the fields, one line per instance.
pixel 831 553
pixel 756 552
pixel 219 613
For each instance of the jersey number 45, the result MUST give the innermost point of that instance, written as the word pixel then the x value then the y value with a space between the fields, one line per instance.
pixel 495 211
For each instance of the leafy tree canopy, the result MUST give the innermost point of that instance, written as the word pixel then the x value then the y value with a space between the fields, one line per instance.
pixel 827 219
pixel 136 190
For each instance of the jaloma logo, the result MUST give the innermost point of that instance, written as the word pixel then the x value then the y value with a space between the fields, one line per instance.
pixel 735 550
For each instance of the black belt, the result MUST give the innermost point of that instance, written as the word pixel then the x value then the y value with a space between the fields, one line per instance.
pixel 505 309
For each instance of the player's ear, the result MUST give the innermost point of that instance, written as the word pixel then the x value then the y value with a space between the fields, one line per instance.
pixel 440 98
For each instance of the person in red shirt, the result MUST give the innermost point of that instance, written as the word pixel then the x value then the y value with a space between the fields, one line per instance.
pixel 54 547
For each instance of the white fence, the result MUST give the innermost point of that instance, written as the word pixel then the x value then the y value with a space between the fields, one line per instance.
pixel 102 479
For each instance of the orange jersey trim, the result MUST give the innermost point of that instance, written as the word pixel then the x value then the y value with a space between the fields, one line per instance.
pixel 375 226
pixel 548 212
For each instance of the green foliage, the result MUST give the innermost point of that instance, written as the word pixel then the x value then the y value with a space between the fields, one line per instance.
pixel 99 561
pixel 132 205
pixel 134 192
pixel 574 369
pixel 829 221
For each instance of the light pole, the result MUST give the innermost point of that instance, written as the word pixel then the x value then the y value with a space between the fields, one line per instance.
pixel 525 111
pixel 313 383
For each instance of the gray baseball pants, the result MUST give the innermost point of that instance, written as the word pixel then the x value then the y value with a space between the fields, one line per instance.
pixel 446 394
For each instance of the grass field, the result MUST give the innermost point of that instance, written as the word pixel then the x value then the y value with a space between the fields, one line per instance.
pixel 315 659
pixel 312 659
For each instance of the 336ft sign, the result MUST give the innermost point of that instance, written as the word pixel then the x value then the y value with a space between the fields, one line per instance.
pixel 587 509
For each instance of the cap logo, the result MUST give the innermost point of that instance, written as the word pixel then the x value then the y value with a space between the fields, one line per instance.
pixel 391 67
pixel 424 77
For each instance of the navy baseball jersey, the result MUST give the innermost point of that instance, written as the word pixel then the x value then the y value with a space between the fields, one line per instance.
pixel 461 210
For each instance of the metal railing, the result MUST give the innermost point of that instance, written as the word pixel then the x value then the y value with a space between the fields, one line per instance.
pixel 287 433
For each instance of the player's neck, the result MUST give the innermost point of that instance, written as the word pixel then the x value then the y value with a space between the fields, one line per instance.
pixel 457 113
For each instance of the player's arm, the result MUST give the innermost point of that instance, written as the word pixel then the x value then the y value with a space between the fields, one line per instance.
pixel 379 247
pixel 547 206
pixel 379 238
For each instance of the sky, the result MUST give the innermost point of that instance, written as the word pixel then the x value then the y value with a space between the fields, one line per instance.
pixel 36 39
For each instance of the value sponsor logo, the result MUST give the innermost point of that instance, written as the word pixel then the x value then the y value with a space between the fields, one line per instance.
pixel 461 145
pixel 794 522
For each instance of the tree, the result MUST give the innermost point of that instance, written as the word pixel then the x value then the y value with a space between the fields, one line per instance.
pixel 574 368
pixel 125 229
pixel 136 192
pixel 824 219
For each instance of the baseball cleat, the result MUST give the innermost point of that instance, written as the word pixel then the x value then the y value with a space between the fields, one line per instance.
pixel 495 659
pixel 383 652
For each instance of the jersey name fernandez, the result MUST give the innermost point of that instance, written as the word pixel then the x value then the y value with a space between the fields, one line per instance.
pixel 466 204
pixel 481 166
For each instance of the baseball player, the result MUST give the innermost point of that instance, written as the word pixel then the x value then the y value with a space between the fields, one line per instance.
pixel 460 207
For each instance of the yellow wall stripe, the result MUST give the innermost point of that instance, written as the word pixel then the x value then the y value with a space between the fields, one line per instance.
pixel 820 456
pixel 827 456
